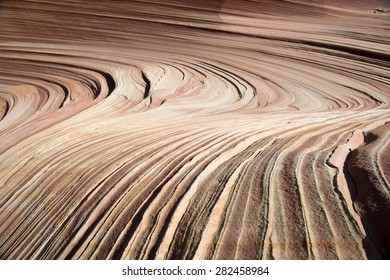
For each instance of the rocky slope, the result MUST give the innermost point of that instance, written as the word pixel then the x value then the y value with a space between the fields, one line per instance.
pixel 194 129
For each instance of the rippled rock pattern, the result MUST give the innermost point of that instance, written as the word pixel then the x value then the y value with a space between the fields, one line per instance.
pixel 194 129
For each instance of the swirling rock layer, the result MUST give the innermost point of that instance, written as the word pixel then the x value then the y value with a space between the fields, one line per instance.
pixel 194 129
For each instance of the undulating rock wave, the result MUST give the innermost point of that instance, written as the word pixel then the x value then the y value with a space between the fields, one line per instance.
pixel 194 129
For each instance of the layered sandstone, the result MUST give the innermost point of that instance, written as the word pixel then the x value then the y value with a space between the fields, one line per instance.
pixel 194 129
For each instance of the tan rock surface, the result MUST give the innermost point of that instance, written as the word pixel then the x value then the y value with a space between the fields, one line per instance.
pixel 194 129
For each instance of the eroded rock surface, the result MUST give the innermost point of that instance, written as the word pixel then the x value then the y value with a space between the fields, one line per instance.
pixel 194 129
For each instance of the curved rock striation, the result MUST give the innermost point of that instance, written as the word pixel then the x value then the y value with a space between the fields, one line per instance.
pixel 194 129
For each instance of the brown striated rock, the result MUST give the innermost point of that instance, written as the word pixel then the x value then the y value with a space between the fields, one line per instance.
pixel 194 129
pixel 369 167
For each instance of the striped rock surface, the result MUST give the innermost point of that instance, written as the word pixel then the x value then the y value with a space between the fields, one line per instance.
pixel 194 129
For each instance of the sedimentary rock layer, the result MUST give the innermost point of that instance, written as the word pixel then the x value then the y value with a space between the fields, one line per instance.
pixel 194 129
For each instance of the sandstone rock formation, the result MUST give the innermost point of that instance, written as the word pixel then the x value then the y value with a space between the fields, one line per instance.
pixel 194 129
